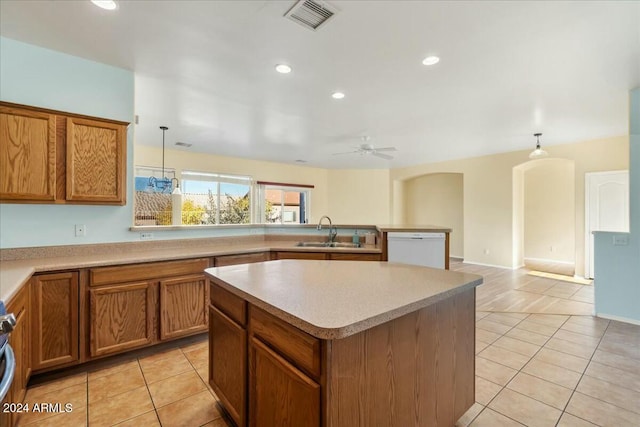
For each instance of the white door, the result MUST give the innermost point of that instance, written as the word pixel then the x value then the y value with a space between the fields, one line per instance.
pixel 606 208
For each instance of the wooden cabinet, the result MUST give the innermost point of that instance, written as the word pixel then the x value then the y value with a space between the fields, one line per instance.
pixel 223 260
pixel 352 256
pixel 300 255
pixel 344 256
pixel 228 364
pixel 183 306
pixel 54 320
pixel 27 154
pixel 279 393
pixel 55 157
pixel 136 305
pixel 122 317
pixel 95 161
pixel 19 340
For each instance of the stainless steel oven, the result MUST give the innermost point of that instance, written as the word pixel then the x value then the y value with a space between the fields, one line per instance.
pixel 7 359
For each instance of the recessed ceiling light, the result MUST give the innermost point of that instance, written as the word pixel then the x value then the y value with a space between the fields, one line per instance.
pixel 337 95
pixel 106 4
pixel 283 68
pixel 430 60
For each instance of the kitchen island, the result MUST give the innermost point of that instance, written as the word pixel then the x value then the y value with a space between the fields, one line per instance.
pixel 342 343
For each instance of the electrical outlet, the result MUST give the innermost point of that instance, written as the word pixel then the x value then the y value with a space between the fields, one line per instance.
pixel 81 230
pixel 620 240
pixel 146 236
pixel 486 251
pixel 550 248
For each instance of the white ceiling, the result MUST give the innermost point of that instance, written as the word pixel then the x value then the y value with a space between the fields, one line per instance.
pixel 507 70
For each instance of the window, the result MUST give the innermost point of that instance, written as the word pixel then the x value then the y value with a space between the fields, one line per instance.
pixel 152 204
pixel 283 203
pixel 210 198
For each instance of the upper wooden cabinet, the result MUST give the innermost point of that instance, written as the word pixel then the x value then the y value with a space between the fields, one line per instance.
pixel 27 154
pixel 53 157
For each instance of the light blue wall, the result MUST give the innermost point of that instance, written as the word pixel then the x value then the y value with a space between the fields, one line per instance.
pixel 617 281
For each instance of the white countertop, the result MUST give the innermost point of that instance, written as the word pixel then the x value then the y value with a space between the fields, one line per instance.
pixel 335 299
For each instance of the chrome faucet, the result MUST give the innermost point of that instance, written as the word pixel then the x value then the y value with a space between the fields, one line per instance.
pixel 333 231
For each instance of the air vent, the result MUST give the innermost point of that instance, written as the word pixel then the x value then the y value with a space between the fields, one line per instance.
pixel 183 144
pixel 310 14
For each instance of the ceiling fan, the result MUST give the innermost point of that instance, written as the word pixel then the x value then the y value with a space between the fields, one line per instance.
pixel 366 148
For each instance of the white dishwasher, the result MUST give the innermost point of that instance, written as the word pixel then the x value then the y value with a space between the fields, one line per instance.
pixel 425 249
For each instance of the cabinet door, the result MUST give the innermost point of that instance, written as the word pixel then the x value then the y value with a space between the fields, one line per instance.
pixel 354 256
pixel 27 155
pixel 96 167
pixel 19 340
pixel 223 260
pixel 54 327
pixel 279 394
pixel 228 364
pixel 183 306
pixel 121 317
pixel 301 255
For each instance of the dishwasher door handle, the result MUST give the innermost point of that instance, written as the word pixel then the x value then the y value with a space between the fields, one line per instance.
pixel 9 371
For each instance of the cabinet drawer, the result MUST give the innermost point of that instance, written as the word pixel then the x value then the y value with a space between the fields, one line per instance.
pixel 223 260
pixel 231 305
pixel 149 271
pixel 301 255
pixel 354 257
pixel 300 348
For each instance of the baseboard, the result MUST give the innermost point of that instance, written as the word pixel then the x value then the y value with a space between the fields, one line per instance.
pixel 618 318
pixel 491 265
pixel 550 261
pixel 456 258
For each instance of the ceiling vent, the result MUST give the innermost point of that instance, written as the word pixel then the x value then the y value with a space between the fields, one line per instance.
pixel 310 14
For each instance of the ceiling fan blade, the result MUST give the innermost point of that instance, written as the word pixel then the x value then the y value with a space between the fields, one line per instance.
pixel 382 156
pixel 346 152
pixel 386 149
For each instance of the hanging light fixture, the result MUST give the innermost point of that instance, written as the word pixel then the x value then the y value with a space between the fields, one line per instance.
pixel 538 152
pixel 164 184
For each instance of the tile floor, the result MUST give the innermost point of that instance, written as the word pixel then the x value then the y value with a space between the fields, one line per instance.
pixel 541 360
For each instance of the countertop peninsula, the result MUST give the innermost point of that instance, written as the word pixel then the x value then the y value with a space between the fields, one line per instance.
pixel 336 299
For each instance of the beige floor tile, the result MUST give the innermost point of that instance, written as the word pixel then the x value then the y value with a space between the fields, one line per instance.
pixel 619 346
pixel 564 360
pixel 493 371
pixel 594 331
pixel 197 356
pixel 538 328
pixel 468 416
pixel 59 384
pixel 581 350
pixel 528 336
pixel 219 422
pixel 555 374
pixel 520 316
pixel 525 410
pixel 568 420
pixel 548 319
pixel 504 319
pixel 486 336
pixel 589 321
pixel 77 417
pixel 496 327
pixel 610 393
pixel 614 375
pixel 149 419
pixel 113 369
pixel 196 410
pixel 504 357
pixel 195 346
pixel 599 412
pixel 486 390
pixel 481 314
pixel 489 418
pixel 176 388
pixel 165 367
pixel 577 338
pixel 539 389
pixel 517 346
pixel 617 361
pixel 119 382
pixel 120 408
pixel 165 354
pixel 481 346
pixel 75 395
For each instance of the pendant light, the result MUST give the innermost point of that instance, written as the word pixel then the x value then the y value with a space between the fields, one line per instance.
pixel 538 152
pixel 164 184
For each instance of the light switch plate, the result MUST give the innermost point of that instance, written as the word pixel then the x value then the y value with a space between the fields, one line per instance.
pixel 620 240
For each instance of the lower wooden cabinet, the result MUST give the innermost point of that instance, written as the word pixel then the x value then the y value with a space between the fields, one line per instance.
pixel 54 320
pixel 122 317
pixel 228 364
pixel 300 255
pixel 279 393
pixel 19 340
pixel 183 306
pixel 223 260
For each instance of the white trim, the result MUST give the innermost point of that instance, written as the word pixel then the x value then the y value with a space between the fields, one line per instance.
pixel 618 318
pixel 551 261
pixel 491 265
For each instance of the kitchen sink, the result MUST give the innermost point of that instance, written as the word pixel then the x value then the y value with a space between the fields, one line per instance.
pixel 328 245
